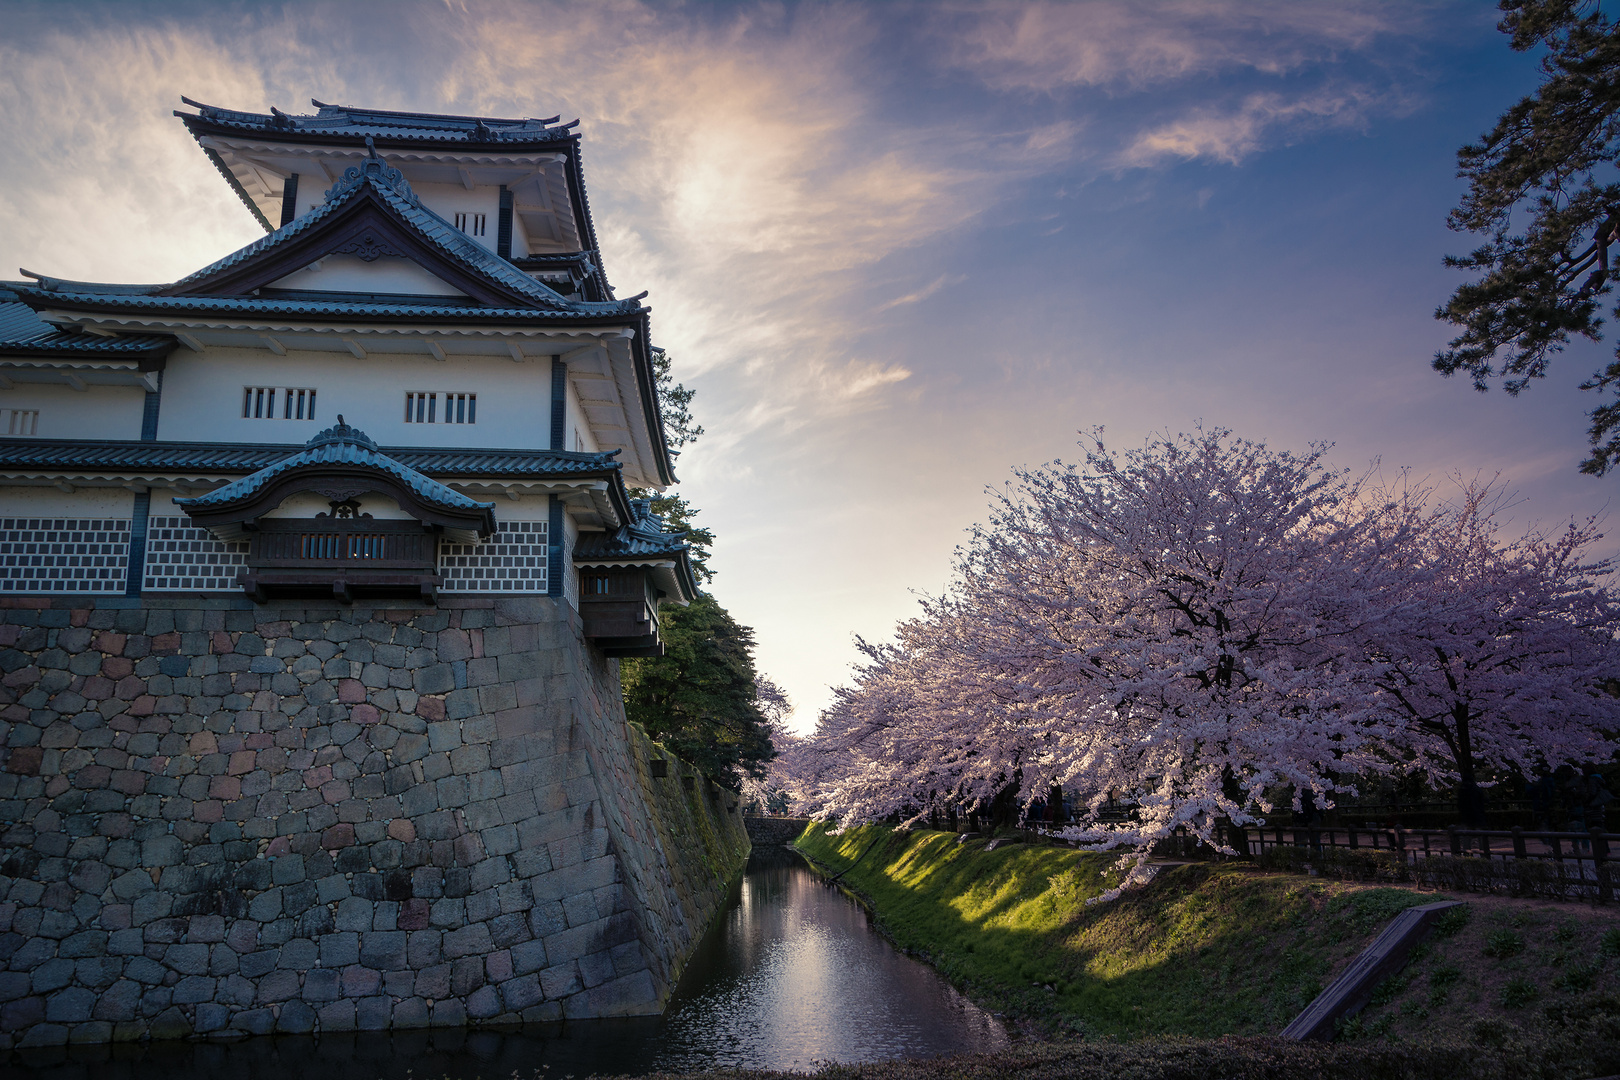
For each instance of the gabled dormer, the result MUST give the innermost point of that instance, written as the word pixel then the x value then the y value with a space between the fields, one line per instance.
pixel 513 186
pixel 372 235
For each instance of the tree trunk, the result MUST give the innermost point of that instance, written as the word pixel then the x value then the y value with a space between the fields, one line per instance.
pixel 1470 796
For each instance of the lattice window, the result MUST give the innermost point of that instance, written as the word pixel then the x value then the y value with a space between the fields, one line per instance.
pixel 183 558
pixel 511 561
pixel 259 403
pixel 20 421
pixel 423 408
pixel 50 555
pixel 472 224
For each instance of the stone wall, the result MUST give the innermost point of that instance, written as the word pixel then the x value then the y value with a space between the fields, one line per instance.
pixel 774 831
pixel 219 819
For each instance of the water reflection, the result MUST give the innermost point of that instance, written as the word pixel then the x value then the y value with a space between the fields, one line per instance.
pixel 797 976
pixel 792 976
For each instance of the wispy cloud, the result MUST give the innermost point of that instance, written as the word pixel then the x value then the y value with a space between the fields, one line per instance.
pixel 925 292
pixel 1230 135
pixel 1049 47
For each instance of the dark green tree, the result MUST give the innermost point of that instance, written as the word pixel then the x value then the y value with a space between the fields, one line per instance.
pixel 703 698
pixel 1549 163
pixel 674 404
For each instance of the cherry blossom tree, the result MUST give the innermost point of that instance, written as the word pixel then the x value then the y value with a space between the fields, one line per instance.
pixel 1178 625
pixel 1500 660
pixel 1205 624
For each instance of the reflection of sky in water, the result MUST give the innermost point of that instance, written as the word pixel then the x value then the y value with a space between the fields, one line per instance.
pixel 797 976
pixel 793 976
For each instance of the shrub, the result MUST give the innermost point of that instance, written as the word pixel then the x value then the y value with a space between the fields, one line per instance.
pixel 1577 977
pixel 1518 993
pixel 1544 878
pixel 1453 919
pixel 1345 864
pixel 1503 944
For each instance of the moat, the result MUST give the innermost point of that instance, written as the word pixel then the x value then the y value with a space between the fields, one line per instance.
pixel 793 975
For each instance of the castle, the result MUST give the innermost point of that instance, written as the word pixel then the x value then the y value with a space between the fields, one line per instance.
pixel 314 566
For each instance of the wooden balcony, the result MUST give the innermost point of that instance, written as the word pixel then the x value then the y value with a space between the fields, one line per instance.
pixel 620 610
pixel 341 558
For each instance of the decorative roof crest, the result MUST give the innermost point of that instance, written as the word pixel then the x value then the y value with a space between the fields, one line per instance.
pixel 373 166
pixel 643 522
pixel 341 433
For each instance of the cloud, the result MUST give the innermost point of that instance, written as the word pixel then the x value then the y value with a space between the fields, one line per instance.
pixel 1051 47
pixel 925 292
pixel 1230 136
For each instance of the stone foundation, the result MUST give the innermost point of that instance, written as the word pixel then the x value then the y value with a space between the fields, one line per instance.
pixel 221 819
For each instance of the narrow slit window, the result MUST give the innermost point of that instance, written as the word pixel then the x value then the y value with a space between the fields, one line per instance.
pixel 471 224
pixel 423 408
pixel 22 421
pixel 260 403
pixel 420 408
pixel 299 404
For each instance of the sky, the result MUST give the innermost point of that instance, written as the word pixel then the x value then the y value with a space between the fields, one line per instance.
pixel 897 248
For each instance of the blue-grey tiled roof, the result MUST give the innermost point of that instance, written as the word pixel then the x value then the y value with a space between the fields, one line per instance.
pixel 214 458
pixel 22 331
pixel 18 322
pixel 338 445
pixel 644 536
pixel 345 120
pixel 271 305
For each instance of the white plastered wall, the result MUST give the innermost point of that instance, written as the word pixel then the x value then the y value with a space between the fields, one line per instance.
pixel 447 200
pixel 100 412
pixel 352 274
pixel 578 435
pixel 202 397
pixel 570 579
pixel 26 501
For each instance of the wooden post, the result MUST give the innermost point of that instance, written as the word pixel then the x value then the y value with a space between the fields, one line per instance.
pixel 1518 842
pixel 1350 836
pixel 1456 840
pixel 1600 863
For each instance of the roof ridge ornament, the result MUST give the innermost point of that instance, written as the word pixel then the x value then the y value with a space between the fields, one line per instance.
pixel 341 432
pixel 374 167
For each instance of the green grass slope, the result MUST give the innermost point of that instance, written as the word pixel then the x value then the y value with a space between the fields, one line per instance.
pixel 1204 950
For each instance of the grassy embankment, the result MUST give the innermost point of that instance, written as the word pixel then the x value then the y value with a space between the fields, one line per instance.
pixel 1208 950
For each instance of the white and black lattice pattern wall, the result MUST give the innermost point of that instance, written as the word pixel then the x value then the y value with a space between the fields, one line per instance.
pixel 183 558
pixel 511 561
pixel 52 555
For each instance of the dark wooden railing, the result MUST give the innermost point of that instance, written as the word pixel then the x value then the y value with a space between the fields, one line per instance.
pixel 295 556
pixel 380 544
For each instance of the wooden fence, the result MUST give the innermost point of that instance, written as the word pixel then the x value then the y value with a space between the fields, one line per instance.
pixel 1583 861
